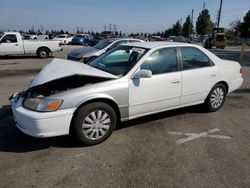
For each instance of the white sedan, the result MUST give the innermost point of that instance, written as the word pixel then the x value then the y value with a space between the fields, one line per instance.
pixel 63 38
pixel 126 82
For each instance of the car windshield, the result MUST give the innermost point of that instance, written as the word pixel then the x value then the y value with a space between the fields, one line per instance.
pixel 119 60
pixel 102 44
pixel 1 34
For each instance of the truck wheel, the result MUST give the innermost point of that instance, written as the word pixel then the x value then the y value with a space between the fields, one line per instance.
pixel 94 123
pixel 43 53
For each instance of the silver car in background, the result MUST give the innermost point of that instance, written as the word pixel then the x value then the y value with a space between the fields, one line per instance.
pixel 127 82
pixel 87 54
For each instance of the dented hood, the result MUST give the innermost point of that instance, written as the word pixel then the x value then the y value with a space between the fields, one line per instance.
pixel 60 68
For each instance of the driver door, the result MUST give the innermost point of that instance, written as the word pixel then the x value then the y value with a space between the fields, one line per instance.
pixel 162 90
pixel 9 45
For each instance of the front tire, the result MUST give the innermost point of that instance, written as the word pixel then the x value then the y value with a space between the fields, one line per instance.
pixel 94 123
pixel 215 98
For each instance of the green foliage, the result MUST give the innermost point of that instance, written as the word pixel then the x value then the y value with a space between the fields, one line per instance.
pixel 244 27
pixel 204 24
pixel 177 29
pixel 187 27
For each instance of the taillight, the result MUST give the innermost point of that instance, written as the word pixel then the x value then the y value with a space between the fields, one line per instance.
pixel 241 70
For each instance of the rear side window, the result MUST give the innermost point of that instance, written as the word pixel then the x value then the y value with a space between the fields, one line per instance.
pixel 9 39
pixel 193 58
pixel 161 61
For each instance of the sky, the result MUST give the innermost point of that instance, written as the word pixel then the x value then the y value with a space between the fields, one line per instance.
pixel 129 15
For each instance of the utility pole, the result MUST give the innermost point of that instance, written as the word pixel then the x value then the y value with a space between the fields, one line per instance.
pixel 105 27
pixel 192 16
pixel 218 23
pixel 110 27
pixel 204 5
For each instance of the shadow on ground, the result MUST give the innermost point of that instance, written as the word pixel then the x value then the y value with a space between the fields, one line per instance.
pixel 21 57
pixel 12 140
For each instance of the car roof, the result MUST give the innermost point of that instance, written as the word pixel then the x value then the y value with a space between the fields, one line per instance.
pixel 115 39
pixel 151 45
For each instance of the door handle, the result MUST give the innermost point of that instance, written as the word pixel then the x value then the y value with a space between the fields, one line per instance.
pixel 176 82
pixel 213 75
pixel 16 44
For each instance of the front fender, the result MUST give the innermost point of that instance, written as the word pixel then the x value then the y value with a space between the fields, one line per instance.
pixel 97 97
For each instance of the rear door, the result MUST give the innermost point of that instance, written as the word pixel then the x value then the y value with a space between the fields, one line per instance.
pixel 199 75
pixel 9 45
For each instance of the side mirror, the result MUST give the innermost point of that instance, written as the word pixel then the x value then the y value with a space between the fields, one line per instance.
pixel 143 73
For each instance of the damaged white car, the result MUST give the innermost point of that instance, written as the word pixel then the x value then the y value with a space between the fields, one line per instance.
pixel 127 82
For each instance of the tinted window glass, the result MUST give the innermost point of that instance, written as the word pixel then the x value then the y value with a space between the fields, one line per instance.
pixel 117 43
pixel 102 44
pixel 193 58
pixel 161 61
pixel 9 39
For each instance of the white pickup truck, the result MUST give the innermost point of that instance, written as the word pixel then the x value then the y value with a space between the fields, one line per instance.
pixel 11 43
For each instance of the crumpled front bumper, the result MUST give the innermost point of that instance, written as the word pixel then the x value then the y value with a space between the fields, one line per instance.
pixel 41 124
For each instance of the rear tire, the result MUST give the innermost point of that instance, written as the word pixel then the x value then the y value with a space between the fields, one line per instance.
pixel 43 53
pixel 94 123
pixel 215 98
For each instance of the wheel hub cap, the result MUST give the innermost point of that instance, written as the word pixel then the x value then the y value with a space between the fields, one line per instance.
pixel 96 124
pixel 217 97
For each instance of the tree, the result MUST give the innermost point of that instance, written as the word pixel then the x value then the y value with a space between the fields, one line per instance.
pixel 61 31
pixel 120 34
pixel 204 23
pixel 233 31
pixel 187 27
pixel 177 29
pixel 244 27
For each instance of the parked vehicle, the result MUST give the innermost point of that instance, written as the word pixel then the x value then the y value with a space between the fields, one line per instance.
pixel 63 38
pixel 93 41
pixel 127 82
pixel 36 37
pixel 80 39
pixel 107 34
pixel 88 54
pixel 157 38
pixel 178 39
pixel 11 43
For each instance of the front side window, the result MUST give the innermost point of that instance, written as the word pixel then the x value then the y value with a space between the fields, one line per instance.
pixel 9 39
pixel 119 60
pixel 193 58
pixel 161 61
